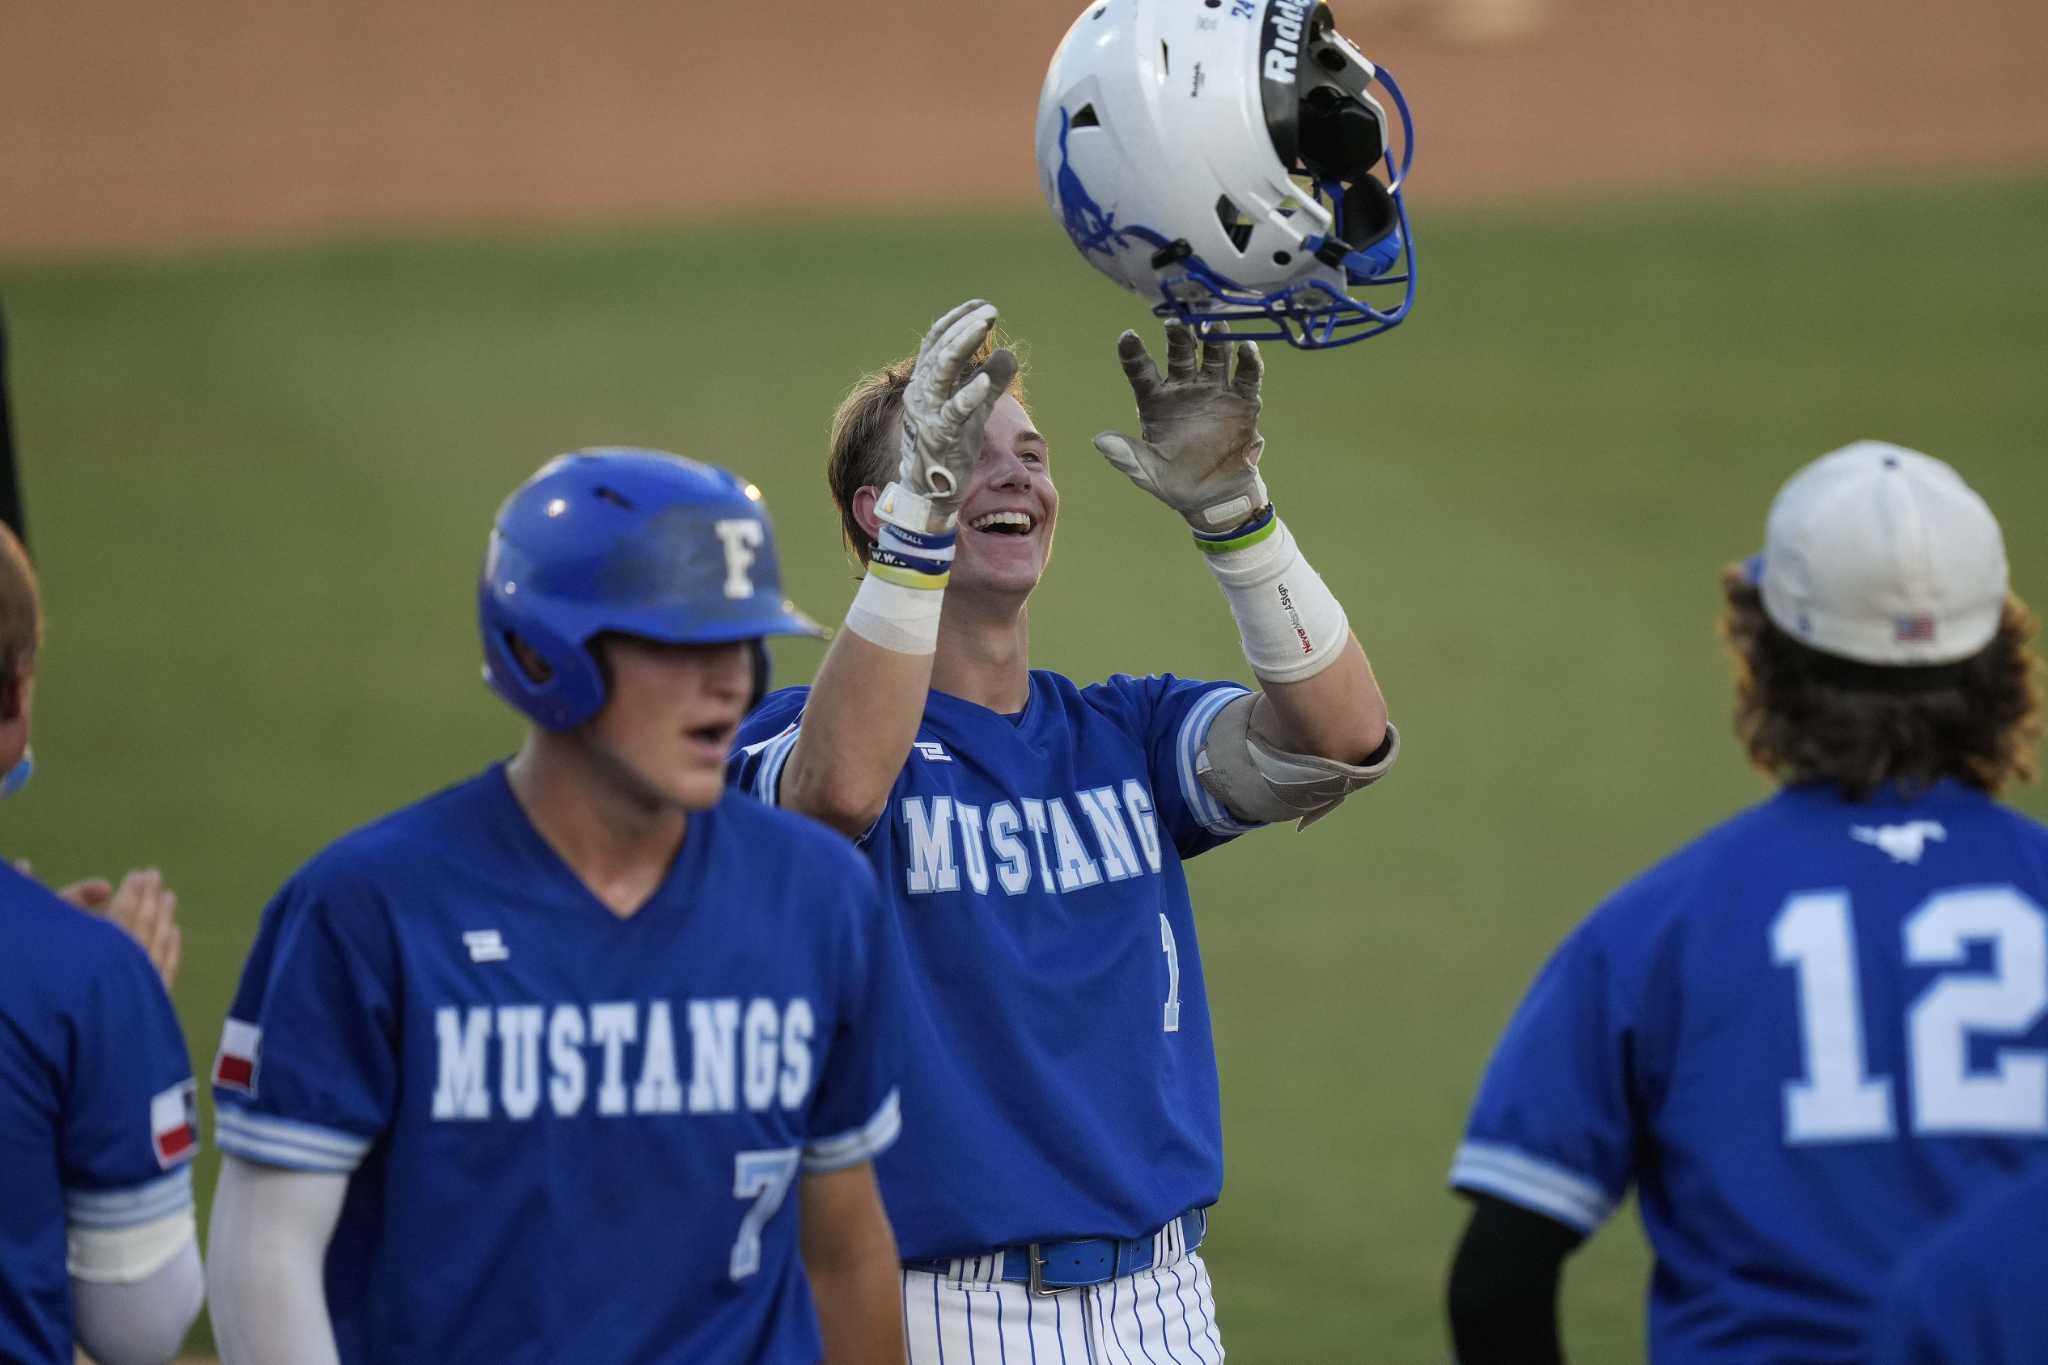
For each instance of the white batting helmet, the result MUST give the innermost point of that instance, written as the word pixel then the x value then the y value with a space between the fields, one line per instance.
pixel 1218 157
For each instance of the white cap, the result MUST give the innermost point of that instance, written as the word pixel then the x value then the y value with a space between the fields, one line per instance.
pixel 1883 555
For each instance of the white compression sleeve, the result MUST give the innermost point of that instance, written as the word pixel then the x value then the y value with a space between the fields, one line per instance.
pixel 268 1245
pixel 141 1318
pixel 1291 626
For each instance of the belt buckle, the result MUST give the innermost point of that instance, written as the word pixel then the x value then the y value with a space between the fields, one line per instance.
pixel 1037 1286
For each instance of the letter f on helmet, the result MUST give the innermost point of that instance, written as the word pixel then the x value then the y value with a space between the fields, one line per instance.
pixel 740 535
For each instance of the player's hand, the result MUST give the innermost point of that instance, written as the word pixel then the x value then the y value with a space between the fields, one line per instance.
pixel 1198 445
pixel 90 895
pixel 148 911
pixel 144 907
pixel 945 409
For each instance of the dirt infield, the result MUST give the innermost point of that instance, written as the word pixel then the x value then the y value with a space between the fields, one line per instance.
pixel 125 123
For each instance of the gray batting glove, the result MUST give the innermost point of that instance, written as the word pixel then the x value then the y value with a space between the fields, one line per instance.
pixel 1198 445
pixel 945 410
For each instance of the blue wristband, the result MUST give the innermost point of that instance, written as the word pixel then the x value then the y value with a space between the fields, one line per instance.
pixel 1240 537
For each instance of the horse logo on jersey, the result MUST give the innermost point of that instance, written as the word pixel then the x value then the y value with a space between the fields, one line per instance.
pixel 1901 843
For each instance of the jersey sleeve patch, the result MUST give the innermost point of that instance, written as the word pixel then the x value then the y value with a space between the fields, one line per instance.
pixel 164 1197
pixel 1532 1183
pixel 295 1146
pixel 174 1123
pixel 1194 733
pixel 864 1143
pixel 234 1066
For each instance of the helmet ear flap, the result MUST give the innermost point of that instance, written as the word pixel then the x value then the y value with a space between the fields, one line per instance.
pixel 567 687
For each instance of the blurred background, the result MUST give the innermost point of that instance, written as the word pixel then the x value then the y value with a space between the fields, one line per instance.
pixel 297 293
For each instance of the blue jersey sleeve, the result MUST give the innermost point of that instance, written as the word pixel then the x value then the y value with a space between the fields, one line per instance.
pixel 1171 717
pixel 128 1126
pixel 855 1114
pixel 307 1073
pixel 762 746
pixel 1553 1128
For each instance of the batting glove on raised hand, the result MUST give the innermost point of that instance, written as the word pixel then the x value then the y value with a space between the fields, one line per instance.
pixel 945 409
pixel 1198 445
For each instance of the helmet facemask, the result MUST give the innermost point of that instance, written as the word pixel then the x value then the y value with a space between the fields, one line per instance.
pixel 1331 135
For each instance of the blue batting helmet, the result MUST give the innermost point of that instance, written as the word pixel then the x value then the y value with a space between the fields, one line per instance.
pixel 636 542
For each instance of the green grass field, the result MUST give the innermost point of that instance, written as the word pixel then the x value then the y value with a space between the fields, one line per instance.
pixel 259 486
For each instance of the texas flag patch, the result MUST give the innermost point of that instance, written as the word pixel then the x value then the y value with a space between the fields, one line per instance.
pixel 174 1123
pixel 241 1043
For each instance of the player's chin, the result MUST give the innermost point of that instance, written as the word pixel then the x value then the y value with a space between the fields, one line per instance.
pixel 692 779
pixel 694 788
pixel 1011 569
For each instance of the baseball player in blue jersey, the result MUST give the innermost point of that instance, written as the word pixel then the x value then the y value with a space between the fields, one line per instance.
pixel 1977 1292
pixel 1808 1036
pixel 1030 833
pixel 583 1059
pixel 97 1244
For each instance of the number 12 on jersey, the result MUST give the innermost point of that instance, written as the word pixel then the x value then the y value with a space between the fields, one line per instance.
pixel 1839 1100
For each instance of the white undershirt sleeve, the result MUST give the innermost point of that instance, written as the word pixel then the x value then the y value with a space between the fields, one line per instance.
pixel 268 1248
pixel 127 1314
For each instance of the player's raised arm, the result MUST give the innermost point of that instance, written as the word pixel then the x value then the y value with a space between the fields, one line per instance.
pixel 863 710
pixel 1318 730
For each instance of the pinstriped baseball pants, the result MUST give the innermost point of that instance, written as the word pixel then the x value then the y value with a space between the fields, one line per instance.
pixel 1162 1316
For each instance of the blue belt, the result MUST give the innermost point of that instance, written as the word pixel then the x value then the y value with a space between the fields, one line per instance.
pixel 1049 1267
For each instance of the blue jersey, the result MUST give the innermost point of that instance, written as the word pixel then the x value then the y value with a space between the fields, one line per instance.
pixel 569 1136
pixel 96 1126
pixel 1977 1294
pixel 1035 862
pixel 1807 1038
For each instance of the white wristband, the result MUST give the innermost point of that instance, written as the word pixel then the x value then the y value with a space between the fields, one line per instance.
pixel 1291 626
pixel 896 617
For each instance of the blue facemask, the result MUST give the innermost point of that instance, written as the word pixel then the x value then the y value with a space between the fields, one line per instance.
pixel 17 776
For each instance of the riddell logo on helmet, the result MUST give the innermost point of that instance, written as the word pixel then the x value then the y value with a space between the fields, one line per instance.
pixel 1285 20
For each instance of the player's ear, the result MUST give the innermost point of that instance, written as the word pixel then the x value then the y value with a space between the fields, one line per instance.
pixel 15 686
pixel 864 510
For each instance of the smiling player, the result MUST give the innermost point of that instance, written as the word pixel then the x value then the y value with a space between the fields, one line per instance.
pixel 1031 832
pixel 526 1072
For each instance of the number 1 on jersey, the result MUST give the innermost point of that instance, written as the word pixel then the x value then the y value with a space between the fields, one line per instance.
pixel 1836 1102
pixel 1166 945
